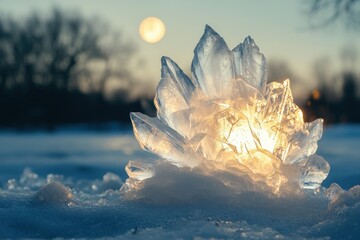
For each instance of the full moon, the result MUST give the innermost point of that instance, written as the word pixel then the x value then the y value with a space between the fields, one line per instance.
pixel 152 29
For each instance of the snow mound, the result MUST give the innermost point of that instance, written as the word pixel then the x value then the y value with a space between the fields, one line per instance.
pixel 53 193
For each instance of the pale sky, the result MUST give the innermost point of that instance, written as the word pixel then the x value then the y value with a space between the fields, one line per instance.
pixel 280 29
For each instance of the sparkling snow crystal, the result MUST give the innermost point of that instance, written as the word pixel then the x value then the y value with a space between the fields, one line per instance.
pixel 227 123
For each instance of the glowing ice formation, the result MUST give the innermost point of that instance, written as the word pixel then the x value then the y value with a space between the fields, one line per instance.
pixel 227 119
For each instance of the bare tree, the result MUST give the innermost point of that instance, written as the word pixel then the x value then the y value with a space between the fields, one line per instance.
pixel 55 70
pixel 64 51
pixel 327 12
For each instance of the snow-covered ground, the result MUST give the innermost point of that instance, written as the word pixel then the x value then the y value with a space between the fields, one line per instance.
pixel 86 203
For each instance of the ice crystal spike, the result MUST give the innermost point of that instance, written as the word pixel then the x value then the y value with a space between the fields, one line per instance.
pixel 174 93
pixel 212 66
pixel 158 138
pixel 250 64
pixel 228 119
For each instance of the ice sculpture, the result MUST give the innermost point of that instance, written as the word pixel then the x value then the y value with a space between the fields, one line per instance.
pixel 226 118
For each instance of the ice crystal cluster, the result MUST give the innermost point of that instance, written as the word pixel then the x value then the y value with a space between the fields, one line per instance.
pixel 228 123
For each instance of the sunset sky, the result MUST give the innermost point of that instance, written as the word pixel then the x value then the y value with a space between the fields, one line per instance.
pixel 280 28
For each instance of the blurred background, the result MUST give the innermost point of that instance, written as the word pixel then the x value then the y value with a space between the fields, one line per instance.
pixel 82 63
pixel 71 71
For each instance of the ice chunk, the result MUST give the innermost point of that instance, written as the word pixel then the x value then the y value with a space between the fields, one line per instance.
pixel 156 137
pixel 171 72
pixel 346 198
pixel 250 64
pixel 304 143
pixel 53 193
pixel 174 92
pixel 314 172
pixel 315 130
pixel 228 116
pixel 212 66
pixel 280 108
pixel 334 191
pixel 139 171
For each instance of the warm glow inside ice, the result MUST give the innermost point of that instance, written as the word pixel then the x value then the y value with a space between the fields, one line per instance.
pixel 227 123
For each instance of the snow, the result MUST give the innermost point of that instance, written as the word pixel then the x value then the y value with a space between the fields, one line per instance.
pixel 91 166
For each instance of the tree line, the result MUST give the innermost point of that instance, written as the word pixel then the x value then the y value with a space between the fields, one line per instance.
pixel 55 70
pixel 324 103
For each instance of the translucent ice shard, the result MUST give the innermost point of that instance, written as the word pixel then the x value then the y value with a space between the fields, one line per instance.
pixel 314 172
pixel 139 171
pixel 227 119
pixel 212 66
pixel 250 64
pixel 304 143
pixel 157 137
pixel 174 94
